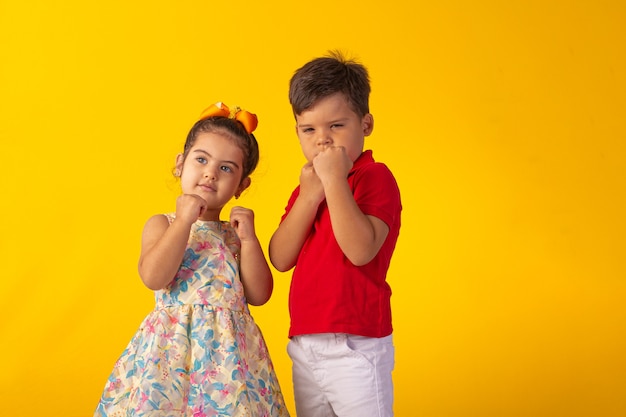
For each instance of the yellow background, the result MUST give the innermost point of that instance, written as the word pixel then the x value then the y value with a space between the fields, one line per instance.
pixel 502 121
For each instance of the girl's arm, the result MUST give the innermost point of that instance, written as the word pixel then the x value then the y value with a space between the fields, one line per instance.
pixel 163 244
pixel 288 239
pixel 162 249
pixel 254 271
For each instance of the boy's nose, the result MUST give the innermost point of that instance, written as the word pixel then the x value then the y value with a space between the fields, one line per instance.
pixel 324 139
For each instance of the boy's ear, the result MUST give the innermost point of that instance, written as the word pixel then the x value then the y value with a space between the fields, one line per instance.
pixel 368 124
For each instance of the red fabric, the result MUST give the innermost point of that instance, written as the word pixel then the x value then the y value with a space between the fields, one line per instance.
pixel 328 293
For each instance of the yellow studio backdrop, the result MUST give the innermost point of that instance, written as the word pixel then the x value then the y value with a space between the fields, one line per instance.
pixel 502 121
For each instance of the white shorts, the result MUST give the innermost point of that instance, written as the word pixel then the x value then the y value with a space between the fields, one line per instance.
pixel 342 375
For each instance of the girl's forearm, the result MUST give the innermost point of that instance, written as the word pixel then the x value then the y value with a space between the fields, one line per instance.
pixel 255 273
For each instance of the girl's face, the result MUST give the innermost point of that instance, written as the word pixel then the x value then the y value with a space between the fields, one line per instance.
pixel 212 169
pixel 332 122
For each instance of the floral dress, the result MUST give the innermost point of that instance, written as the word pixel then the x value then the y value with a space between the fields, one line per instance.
pixel 199 352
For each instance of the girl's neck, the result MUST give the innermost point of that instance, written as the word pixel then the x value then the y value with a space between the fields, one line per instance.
pixel 211 215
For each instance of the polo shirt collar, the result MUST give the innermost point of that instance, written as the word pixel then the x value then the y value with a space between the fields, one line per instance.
pixel 365 158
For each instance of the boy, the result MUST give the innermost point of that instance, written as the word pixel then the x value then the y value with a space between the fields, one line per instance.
pixel 339 231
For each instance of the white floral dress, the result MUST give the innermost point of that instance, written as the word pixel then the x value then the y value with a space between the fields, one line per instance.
pixel 199 352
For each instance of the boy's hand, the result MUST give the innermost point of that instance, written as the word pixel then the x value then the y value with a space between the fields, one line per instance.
pixel 189 207
pixel 332 164
pixel 242 220
pixel 310 184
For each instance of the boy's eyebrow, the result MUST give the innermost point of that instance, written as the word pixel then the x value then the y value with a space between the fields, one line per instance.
pixel 343 119
pixel 202 151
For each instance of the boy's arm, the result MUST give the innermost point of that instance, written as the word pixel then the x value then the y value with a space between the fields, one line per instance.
pixel 359 236
pixel 254 271
pixel 288 239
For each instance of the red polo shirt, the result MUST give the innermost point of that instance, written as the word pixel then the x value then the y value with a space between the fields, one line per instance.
pixel 328 293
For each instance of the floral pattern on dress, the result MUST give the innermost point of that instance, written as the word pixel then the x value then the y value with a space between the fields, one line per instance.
pixel 199 353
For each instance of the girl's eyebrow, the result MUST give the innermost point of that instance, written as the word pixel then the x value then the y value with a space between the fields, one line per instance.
pixel 202 151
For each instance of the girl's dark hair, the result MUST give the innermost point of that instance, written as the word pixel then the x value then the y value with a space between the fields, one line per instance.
pixel 232 129
pixel 328 75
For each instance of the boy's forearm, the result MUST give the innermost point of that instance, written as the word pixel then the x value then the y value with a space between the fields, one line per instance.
pixel 280 252
pixel 353 230
pixel 290 236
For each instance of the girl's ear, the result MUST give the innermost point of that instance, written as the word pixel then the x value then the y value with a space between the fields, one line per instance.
pixel 180 159
pixel 368 124
pixel 244 184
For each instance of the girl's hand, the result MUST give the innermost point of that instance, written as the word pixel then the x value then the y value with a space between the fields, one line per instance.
pixel 242 220
pixel 254 272
pixel 189 207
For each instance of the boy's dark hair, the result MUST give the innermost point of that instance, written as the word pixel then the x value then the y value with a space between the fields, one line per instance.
pixel 324 76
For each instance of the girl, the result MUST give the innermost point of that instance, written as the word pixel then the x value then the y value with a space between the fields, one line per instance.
pixel 199 352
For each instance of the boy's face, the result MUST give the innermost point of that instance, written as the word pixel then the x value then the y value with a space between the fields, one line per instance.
pixel 332 122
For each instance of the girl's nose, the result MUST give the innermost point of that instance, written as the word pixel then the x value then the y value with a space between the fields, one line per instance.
pixel 210 174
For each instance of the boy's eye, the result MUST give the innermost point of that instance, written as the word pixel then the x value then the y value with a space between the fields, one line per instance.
pixel 336 125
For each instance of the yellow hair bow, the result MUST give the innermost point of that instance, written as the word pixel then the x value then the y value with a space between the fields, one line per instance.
pixel 249 120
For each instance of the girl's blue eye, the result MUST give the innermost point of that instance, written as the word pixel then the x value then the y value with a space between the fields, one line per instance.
pixel 227 169
pixel 201 160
